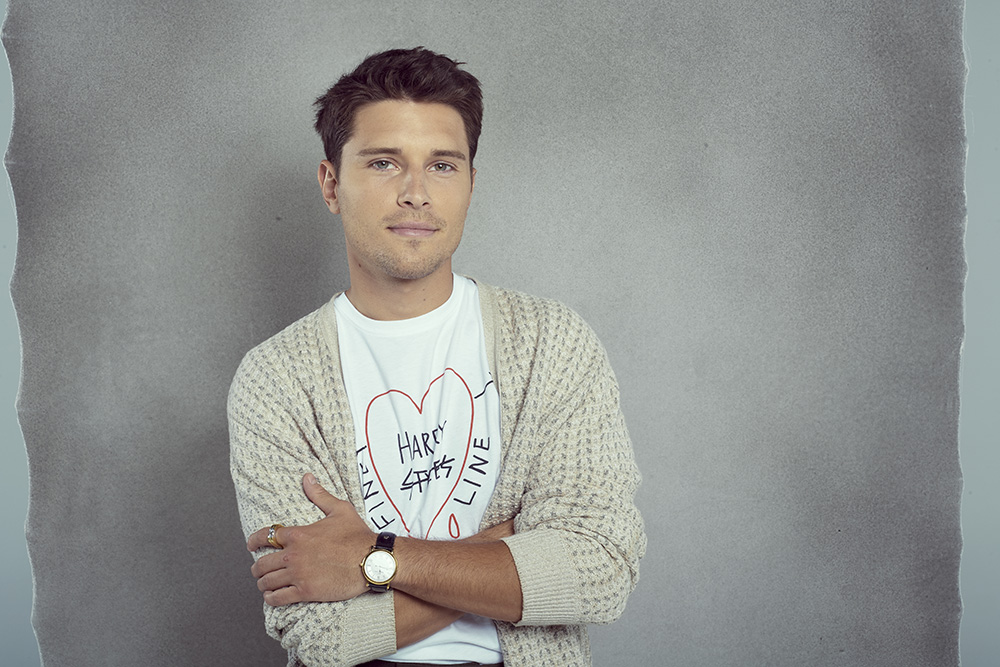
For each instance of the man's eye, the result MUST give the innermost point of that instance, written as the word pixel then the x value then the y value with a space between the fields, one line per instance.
pixel 443 167
pixel 382 165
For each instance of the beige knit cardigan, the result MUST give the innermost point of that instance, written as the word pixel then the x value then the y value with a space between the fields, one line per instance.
pixel 567 476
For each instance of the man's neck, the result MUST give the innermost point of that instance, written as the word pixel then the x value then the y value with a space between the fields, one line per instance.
pixel 401 299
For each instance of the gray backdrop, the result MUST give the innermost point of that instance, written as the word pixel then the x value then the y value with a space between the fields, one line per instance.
pixel 759 208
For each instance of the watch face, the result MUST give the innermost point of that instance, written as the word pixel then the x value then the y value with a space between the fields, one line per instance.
pixel 380 566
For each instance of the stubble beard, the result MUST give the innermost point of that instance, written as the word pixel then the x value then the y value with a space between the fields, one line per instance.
pixel 416 264
pixel 408 268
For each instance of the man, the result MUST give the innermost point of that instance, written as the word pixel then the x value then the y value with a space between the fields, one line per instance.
pixel 429 470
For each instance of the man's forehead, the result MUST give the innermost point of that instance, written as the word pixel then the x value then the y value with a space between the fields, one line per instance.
pixel 397 124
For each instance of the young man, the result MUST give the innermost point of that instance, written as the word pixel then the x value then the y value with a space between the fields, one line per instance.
pixel 429 470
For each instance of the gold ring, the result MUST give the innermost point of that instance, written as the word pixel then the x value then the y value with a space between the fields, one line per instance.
pixel 270 536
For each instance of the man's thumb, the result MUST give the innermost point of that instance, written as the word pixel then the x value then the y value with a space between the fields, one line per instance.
pixel 317 495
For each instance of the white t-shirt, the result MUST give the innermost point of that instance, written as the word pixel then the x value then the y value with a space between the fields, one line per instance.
pixel 427 426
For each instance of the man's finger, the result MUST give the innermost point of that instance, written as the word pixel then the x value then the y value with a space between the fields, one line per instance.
pixel 283 596
pixel 258 540
pixel 275 580
pixel 316 494
pixel 266 564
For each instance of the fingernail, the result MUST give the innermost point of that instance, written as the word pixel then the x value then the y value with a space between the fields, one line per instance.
pixel 310 478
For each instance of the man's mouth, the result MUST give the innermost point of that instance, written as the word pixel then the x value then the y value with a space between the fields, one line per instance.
pixel 413 229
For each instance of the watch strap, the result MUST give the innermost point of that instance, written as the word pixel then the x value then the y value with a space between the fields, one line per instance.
pixel 385 541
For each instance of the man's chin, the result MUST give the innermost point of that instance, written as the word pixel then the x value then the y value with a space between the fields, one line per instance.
pixel 411 272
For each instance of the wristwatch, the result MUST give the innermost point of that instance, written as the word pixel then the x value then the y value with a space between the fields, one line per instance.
pixel 379 566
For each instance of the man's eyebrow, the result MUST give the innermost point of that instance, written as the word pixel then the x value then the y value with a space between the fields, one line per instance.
pixel 379 151
pixel 458 155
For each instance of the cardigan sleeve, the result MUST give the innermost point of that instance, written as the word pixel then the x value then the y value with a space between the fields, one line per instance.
pixel 274 441
pixel 579 535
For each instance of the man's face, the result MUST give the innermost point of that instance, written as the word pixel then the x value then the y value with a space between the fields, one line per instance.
pixel 403 190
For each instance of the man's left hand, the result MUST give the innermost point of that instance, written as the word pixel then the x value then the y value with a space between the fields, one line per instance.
pixel 319 562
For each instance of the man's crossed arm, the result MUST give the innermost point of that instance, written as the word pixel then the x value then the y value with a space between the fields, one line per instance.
pixel 435 583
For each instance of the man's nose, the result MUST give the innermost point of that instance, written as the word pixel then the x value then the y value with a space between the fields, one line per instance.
pixel 413 192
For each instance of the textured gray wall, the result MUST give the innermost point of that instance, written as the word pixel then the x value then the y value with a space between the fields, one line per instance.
pixel 759 208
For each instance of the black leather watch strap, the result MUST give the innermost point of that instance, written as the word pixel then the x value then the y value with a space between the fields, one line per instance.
pixel 385 541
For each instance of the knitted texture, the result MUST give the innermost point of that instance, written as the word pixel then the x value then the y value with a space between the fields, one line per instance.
pixel 568 477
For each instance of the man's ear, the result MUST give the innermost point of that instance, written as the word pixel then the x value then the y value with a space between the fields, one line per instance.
pixel 473 187
pixel 327 176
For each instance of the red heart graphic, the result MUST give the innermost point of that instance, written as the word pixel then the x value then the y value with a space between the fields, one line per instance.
pixel 389 471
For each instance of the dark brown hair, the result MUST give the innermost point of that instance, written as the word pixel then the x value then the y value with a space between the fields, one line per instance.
pixel 416 75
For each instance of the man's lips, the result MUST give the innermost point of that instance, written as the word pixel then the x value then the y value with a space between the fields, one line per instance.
pixel 413 229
